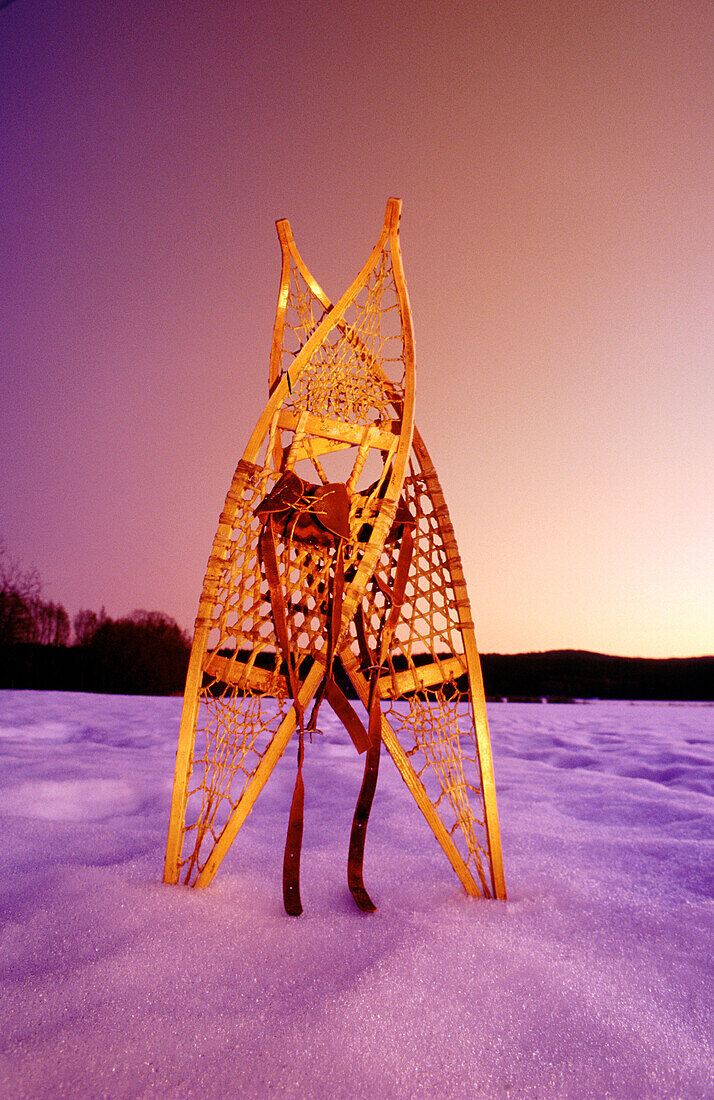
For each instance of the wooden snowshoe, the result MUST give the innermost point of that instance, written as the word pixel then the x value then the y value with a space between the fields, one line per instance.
pixel 359 569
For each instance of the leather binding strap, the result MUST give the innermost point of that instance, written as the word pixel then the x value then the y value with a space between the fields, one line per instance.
pixel 355 860
pixel 285 525
pixel 358 835
pixel 321 514
pixel 293 842
pixel 348 716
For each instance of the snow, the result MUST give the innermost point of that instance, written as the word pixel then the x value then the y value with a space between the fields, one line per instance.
pixel 593 980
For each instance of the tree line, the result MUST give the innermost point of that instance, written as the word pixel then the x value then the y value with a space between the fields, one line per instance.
pixel 144 653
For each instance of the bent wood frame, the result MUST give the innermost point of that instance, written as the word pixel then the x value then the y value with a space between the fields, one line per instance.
pixel 423 677
pixel 326 436
pixel 267 429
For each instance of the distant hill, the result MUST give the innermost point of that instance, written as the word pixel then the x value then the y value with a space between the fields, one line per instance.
pixel 579 674
pixel 556 675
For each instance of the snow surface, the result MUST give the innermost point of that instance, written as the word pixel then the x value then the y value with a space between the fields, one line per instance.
pixel 593 980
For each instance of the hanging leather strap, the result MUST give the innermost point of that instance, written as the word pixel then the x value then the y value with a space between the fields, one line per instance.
pixel 293 842
pixel 355 879
pixel 334 622
pixel 348 716
pixel 369 740
pixel 269 557
pixel 355 860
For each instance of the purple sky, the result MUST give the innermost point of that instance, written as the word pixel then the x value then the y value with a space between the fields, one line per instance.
pixel 555 164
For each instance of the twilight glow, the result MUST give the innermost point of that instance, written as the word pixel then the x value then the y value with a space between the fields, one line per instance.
pixel 555 167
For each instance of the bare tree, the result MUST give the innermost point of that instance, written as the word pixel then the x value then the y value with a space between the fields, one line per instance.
pixel 86 623
pixel 52 624
pixel 20 590
pixel 24 615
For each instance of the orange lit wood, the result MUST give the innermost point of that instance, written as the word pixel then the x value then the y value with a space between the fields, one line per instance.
pixel 334 430
pixel 421 677
pixel 260 777
pixel 245 675
pixel 316 411
pixel 462 609
pixel 232 564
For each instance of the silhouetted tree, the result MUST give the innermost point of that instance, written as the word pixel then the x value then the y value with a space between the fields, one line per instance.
pixel 86 624
pixel 145 653
pixel 51 624
pixel 20 590
pixel 16 621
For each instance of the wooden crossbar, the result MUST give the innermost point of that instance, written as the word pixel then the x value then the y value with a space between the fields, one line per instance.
pixel 419 677
pixel 382 438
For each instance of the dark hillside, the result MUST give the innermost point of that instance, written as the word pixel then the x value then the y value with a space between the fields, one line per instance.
pixel 579 674
pixel 130 660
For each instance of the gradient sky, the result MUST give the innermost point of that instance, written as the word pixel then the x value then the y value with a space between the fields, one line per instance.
pixel 555 165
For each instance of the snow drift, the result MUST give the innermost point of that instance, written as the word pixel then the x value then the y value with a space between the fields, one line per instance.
pixel 593 980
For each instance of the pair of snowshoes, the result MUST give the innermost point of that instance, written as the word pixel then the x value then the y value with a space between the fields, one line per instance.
pixel 358 573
